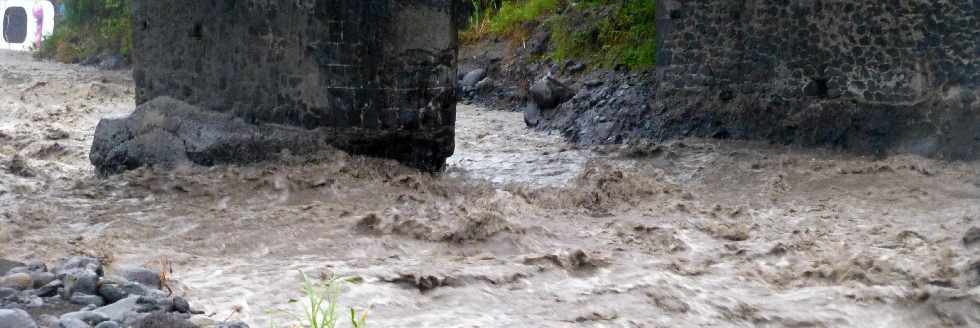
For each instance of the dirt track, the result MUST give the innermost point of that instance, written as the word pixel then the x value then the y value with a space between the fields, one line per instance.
pixel 524 231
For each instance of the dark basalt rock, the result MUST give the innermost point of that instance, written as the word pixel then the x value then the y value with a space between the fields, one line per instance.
pixel 6 265
pixel 16 318
pixel 166 133
pixel 548 93
pixel 164 320
pixel 126 303
pixel 372 77
pixel 611 107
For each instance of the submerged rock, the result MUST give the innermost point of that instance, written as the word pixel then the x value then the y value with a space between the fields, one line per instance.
pixel 972 236
pixel 18 166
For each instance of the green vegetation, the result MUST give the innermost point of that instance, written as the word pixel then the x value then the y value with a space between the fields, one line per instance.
pixel 479 24
pixel 324 298
pixel 606 32
pixel 91 27
pixel 513 15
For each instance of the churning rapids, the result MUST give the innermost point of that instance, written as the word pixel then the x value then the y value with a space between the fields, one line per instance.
pixel 522 231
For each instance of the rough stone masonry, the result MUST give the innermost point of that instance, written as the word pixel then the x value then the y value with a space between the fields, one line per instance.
pixel 872 76
pixel 225 81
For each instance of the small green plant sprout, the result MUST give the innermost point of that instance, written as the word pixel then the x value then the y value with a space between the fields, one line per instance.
pixel 321 303
pixel 358 321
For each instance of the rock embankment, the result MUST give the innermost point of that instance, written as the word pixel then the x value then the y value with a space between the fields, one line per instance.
pixel 597 107
pixel 78 293
pixel 788 73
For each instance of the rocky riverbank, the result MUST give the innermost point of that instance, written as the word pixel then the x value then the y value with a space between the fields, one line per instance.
pixel 81 292
pixel 587 105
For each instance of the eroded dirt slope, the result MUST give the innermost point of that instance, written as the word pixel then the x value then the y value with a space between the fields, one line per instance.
pixel 524 231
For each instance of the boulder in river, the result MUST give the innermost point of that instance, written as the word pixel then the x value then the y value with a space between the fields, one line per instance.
pixel 164 320
pixel 108 324
pixel 473 77
pixel 114 291
pixel 231 324
pixel 548 93
pixel 18 166
pixel 76 263
pixel 41 278
pixel 72 323
pixel 166 132
pixel 143 276
pixel 972 236
pixel 81 281
pixel 88 317
pixel 16 318
pixel 18 281
pixel 532 114
pixel 6 265
pixel 86 299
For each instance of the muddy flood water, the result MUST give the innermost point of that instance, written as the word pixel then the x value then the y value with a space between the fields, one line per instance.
pixel 522 231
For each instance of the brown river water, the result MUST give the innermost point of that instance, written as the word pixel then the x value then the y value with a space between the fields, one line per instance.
pixel 522 231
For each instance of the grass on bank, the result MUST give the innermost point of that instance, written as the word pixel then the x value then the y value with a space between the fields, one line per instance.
pixel 606 32
pixel 90 27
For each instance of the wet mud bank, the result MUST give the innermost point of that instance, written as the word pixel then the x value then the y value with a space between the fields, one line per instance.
pixel 523 229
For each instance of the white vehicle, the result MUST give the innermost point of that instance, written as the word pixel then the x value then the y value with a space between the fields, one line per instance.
pixel 25 23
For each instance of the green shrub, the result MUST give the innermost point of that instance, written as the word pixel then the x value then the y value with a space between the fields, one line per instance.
pixel 91 27
pixel 623 33
pixel 605 32
pixel 513 14
pixel 479 20
pixel 630 36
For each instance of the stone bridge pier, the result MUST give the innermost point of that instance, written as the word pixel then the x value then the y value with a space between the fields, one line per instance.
pixel 898 76
pixel 231 81
pixel 226 81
